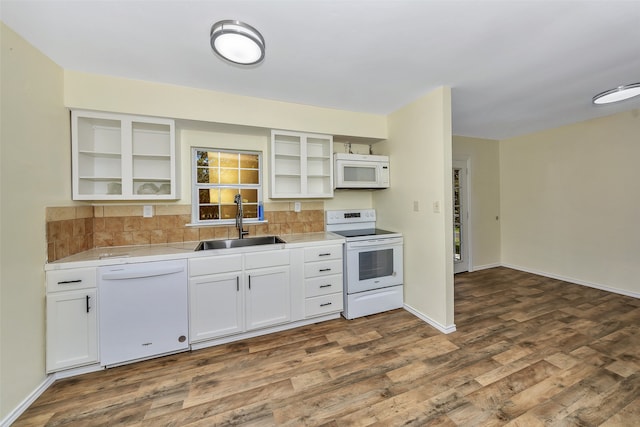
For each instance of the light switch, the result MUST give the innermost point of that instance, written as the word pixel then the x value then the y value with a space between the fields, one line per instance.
pixel 147 211
pixel 436 206
pixel 416 206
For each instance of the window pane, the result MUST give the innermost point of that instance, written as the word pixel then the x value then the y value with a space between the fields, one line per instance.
pixel 209 213
pixel 249 161
pixel 208 196
pixel 228 160
pixel 228 211
pixel 249 196
pixel 250 211
pixel 227 195
pixel 208 175
pixel 228 176
pixel 249 177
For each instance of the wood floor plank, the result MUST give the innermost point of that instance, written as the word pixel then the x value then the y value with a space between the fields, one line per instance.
pixel 528 351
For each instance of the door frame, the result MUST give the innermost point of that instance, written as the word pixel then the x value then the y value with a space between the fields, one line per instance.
pixel 465 164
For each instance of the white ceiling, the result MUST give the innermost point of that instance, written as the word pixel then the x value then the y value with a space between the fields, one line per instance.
pixel 514 66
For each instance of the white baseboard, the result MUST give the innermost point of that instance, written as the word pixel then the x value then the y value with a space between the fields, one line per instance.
pixel 486 266
pixel 444 329
pixel 24 405
pixel 574 281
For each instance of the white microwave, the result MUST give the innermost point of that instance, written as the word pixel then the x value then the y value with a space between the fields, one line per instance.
pixel 360 171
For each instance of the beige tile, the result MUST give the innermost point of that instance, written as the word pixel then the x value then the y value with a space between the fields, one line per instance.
pixel 158 236
pixel 132 223
pixel 168 222
pixel 99 224
pixel 60 213
pixel 207 233
pixel 124 238
pixel 141 237
pixel 62 248
pixel 149 223
pixel 191 234
pixel 222 232
pixel 84 211
pixel 114 224
pixel 53 231
pixel 102 239
pixel 98 211
pixel 122 210
pixel 173 209
pixel 175 235
pixel 66 229
pixel 79 227
pixel 51 252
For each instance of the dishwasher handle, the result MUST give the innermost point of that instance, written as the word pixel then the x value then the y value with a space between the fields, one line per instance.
pixel 140 273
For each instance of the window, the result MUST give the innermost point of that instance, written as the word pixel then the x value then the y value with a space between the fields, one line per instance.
pixel 218 175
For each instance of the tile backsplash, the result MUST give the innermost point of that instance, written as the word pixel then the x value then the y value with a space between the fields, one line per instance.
pixel 74 229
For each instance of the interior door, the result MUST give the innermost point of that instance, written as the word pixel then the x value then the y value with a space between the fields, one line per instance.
pixel 461 257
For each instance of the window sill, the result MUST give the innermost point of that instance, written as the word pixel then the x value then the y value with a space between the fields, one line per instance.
pixel 226 223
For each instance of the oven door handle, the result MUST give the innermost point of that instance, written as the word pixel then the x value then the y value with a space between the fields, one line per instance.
pixel 394 241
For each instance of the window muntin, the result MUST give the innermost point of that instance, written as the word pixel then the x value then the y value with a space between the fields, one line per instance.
pixel 218 175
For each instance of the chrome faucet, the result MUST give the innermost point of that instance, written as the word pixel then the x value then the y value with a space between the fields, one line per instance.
pixel 238 201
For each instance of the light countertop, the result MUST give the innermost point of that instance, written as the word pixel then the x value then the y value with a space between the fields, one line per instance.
pixel 161 252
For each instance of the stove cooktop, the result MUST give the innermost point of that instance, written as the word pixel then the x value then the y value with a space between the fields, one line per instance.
pixel 363 232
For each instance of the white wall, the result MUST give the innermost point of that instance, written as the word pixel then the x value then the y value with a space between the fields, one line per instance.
pixel 419 147
pixel 35 172
pixel 484 190
pixel 570 205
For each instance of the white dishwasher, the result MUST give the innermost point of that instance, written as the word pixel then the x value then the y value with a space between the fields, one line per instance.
pixel 143 310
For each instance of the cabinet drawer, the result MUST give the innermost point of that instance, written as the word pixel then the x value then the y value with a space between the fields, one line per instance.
pixel 323 285
pixel 266 259
pixel 324 304
pixel 326 268
pixel 215 265
pixel 65 280
pixel 320 253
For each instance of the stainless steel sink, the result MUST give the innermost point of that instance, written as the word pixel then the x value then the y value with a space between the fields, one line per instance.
pixel 206 245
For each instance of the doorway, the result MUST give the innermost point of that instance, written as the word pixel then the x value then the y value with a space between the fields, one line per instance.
pixel 461 242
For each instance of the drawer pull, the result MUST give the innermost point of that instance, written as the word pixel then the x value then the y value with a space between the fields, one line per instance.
pixel 325 286
pixel 88 307
pixel 67 282
pixel 322 270
pixel 325 304
pixel 325 254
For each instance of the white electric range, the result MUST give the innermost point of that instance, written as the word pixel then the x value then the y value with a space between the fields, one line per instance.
pixel 373 278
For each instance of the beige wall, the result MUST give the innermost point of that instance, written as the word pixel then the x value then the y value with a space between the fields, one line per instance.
pixel 419 147
pixel 35 172
pixel 90 91
pixel 484 203
pixel 569 202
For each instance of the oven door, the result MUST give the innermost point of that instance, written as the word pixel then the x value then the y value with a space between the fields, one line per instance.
pixel 373 264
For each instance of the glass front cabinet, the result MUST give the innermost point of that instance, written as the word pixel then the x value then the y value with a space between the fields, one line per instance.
pixel 123 157
pixel 301 165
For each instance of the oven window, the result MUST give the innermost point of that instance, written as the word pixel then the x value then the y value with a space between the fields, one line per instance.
pixel 375 264
pixel 360 174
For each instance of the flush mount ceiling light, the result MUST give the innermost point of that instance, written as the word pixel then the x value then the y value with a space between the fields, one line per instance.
pixel 618 94
pixel 237 42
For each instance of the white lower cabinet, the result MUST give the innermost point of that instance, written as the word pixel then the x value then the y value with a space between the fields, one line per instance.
pixel 72 330
pixel 216 307
pixel 232 294
pixel 268 297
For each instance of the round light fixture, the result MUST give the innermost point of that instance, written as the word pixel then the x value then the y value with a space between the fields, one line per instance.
pixel 618 94
pixel 237 42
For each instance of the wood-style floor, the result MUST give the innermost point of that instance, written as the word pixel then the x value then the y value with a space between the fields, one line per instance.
pixel 528 351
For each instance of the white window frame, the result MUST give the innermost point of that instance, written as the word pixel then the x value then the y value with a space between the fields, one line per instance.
pixel 196 186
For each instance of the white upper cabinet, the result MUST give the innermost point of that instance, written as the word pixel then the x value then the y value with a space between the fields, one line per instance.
pixel 301 165
pixel 123 157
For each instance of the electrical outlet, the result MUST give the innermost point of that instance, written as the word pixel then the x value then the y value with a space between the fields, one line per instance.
pixel 436 206
pixel 416 206
pixel 147 211
pixel 296 207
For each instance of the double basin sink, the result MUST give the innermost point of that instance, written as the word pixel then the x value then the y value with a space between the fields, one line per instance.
pixel 206 245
